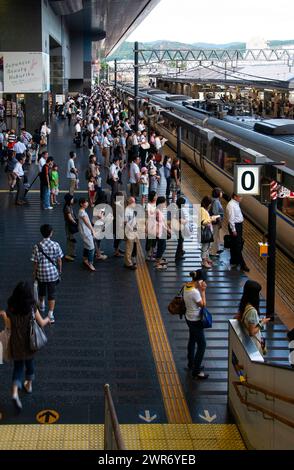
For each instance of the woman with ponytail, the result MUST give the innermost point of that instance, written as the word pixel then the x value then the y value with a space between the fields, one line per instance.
pixel 195 298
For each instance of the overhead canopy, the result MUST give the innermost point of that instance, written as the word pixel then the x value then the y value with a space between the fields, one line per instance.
pixel 108 21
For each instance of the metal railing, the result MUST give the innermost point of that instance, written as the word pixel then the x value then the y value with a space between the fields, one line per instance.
pixel 268 396
pixel 113 439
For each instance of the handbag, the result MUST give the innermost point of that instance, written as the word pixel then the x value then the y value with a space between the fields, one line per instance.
pixel 73 228
pixel 5 353
pixel 206 234
pixel 205 318
pixel 177 305
pixel 38 338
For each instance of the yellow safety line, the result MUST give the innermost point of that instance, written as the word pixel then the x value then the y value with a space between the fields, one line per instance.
pixel 175 404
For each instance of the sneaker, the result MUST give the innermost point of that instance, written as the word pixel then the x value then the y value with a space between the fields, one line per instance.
pixel 200 376
pixel 27 388
pixel 150 258
pixel 49 208
pixel 101 257
pixel 17 403
pixel 69 258
pixel 161 267
pixel 51 317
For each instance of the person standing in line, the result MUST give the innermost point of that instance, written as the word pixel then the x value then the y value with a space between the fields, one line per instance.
pixel 167 172
pixel 114 177
pixel 71 227
pixel 175 181
pixel 47 258
pixel 54 184
pixel 162 231
pixel 216 209
pixel 206 224
pixel 41 163
pixel 131 237
pixel 135 176
pixel 69 115
pixel 235 219
pixel 249 312
pixel 151 227
pixel 18 172
pixel 45 178
pixel 78 130
pixel 87 235
pixel 21 306
pixel 183 221
pixel 194 295
pixel 72 173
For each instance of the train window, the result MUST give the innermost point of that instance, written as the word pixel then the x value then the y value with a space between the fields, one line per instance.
pixel 225 155
pixel 286 206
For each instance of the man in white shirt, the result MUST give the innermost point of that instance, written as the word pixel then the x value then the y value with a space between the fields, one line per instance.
pixel 131 237
pixel 78 130
pixel 19 174
pixel 19 147
pixel 114 177
pixel 235 220
pixel 135 175
pixel 72 173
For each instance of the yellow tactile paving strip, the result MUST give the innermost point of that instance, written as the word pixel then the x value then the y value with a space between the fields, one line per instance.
pixel 136 437
pixel 175 404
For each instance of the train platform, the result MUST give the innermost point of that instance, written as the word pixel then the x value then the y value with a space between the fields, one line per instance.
pixel 112 326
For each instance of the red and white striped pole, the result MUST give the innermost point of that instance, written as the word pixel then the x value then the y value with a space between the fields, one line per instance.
pixel 273 190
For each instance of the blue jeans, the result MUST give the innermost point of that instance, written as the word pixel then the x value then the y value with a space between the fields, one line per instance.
pixel 89 254
pixel 196 336
pixel 18 371
pixel 46 197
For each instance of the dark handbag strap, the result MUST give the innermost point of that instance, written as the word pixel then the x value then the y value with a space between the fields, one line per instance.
pixel 46 256
pixel 181 291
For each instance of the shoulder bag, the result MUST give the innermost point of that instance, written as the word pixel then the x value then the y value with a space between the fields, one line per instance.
pixel 206 234
pixel 5 353
pixel 38 338
pixel 205 318
pixel 177 305
pixel 48 258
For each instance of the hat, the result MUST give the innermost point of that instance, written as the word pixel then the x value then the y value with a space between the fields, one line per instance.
pixel 144 169
pixel 198 275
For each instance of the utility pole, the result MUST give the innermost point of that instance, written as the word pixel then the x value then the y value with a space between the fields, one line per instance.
pixel 136 83
pixel 271 260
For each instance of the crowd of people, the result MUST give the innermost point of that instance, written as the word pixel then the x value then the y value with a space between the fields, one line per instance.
pixel 134 165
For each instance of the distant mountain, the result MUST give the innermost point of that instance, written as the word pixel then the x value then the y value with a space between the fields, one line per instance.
pixel 125 51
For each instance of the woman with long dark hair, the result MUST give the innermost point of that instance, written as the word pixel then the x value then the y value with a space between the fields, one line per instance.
pixel 21 306
pixel 195 298
pixel 249 313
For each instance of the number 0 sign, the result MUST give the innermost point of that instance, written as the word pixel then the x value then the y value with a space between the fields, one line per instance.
pixel 247 180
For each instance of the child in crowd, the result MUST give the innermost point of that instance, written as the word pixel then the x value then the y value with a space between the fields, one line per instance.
pixel 54 184
pixel 92 191
pixel 144 186
pixel 153 180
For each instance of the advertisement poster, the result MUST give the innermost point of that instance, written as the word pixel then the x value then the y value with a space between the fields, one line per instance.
pixel 25 72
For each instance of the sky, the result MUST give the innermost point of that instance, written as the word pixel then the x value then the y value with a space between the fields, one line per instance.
pixel 217 21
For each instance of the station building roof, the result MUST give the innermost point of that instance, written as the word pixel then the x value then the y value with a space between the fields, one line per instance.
pixel 262 75
pixel 106 21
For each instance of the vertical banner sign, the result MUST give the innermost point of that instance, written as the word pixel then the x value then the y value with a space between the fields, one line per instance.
pixel 25 72
pixel 247 180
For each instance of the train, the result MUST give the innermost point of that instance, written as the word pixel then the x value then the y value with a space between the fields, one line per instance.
pixel 213 146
